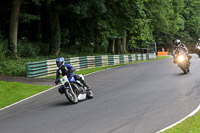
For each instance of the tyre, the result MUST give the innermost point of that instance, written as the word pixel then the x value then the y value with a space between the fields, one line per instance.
pixel 71 96
pixel 183 68
pixel 89 94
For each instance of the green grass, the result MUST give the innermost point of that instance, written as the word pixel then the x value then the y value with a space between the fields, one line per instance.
pixel 190 125
pixel 11 92
pixel 91 70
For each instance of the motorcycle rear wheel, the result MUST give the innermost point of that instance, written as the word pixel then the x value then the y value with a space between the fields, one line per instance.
pixel 89 94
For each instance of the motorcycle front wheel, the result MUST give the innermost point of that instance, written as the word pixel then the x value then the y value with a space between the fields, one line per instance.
pixel 199 54
pixel 71 96
pixel 89 94
pixel 183 67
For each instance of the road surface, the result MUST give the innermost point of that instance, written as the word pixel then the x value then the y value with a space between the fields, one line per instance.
pixel 136 98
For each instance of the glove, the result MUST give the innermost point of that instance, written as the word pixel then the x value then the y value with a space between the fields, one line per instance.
pixel 74 69
pixel 57 81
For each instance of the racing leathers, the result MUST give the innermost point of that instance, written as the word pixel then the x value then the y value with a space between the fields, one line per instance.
pixel 183 47
pixel 68 70
pixel 197 45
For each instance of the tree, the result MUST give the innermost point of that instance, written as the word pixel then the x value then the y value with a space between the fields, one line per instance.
pixel 165 19
pixel 191 16
pixel 12 44
pixel 55 29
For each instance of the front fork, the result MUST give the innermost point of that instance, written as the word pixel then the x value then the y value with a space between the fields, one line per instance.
pixel 70 87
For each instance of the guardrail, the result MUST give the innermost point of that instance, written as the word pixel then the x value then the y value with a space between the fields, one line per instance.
pixel 48 67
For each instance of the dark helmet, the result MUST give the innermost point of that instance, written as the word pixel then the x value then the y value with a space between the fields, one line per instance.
pixel 177 42
pixel 60 61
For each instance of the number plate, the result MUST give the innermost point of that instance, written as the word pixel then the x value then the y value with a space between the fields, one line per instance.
pixel 63 80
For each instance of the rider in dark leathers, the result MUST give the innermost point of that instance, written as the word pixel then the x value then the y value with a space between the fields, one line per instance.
pixel 67 69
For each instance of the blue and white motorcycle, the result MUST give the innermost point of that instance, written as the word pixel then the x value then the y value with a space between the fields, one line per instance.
pixel 74 90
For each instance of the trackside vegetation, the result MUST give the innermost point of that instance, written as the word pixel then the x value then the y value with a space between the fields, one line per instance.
pixel 51 27
pixel 15 67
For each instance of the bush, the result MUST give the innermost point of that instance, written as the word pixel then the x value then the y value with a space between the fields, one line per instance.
pixel 28 49
pixel 13 67
pixel 16 67
pixel 3 50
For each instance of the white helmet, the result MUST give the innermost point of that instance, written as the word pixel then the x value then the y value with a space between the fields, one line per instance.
pixel 177 42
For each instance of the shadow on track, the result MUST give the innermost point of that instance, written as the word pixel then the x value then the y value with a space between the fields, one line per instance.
pixel 63 103
pixel 179 74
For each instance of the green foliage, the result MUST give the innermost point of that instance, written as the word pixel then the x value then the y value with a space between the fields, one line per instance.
pixel 166 19
pixel 3 49
pixel 87 26
pixel 27 18
pixel 13 67
pixel 28 49
pixel 191 16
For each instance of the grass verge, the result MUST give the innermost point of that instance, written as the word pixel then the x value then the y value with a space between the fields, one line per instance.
pixel 87 71
pixel 190 125
pixel 11 92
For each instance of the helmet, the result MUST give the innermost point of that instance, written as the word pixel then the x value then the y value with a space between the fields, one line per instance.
pixel 199 39
pixel 177 42
pixel 60 61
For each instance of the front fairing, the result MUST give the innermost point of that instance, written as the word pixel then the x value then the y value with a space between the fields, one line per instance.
pixel 71 79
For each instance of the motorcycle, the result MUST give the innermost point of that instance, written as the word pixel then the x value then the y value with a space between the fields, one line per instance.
pixel 198 51
pixel 182 60
pixel 74 90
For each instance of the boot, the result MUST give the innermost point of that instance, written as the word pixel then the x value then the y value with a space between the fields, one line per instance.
pixel 174 61
pixel 61 90
pixel 86 85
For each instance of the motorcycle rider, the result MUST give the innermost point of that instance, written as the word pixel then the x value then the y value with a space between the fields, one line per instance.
pixel 178 44
pixel 198 44
pixel 67 69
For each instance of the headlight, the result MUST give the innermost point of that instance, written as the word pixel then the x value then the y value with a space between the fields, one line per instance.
pixel 198 47
pixel 180 58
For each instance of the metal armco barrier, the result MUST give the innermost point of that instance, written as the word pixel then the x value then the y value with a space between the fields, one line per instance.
pixel 48 67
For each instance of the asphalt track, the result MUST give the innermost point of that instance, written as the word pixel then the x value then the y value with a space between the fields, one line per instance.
pixel 136 98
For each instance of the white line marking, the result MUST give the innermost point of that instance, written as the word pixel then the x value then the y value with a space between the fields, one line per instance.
pixel 191 114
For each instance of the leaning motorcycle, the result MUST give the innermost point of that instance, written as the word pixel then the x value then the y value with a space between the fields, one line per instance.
pixel 74 90
pixel 198 51
pixel 182 60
